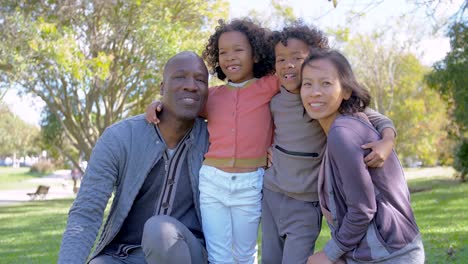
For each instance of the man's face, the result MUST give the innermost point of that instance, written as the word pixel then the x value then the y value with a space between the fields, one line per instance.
pixel 288 62
pixel 185 87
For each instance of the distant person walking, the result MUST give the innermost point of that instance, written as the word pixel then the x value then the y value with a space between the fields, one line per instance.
pixel 75 175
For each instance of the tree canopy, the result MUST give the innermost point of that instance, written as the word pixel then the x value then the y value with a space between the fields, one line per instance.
pixel 97 62
pixel 394 76
pixel 450 79
pixel 16 136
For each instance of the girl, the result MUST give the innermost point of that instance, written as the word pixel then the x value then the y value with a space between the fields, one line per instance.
pixel 368 210
pixel 240 127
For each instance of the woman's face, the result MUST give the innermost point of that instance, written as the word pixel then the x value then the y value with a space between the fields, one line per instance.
pixel 321 91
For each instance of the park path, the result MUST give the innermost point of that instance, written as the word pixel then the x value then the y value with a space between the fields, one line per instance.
pixel 61 186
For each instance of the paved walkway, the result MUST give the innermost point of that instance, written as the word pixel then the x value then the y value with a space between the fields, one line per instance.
pixel 61 186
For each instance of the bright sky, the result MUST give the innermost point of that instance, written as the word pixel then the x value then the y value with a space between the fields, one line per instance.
pixel 385 14
pixel 323 15
pixel 27 108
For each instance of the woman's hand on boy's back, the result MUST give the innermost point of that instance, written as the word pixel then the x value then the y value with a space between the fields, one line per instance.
pixel 381 149
pixel 151 112
pixel 321 258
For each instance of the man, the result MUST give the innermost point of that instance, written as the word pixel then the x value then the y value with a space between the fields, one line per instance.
pixel 153 173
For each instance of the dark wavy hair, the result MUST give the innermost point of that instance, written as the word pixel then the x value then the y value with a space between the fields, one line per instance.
pixel 312 36
pixel 258 38
pixel 360 97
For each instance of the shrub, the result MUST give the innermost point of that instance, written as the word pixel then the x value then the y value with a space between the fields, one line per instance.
pixel 42 167
pixel 461 159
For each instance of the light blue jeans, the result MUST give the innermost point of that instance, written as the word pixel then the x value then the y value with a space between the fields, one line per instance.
pixel 230 206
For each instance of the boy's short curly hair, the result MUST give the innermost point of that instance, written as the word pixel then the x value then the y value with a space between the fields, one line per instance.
pixel 258 38
pixel 312 36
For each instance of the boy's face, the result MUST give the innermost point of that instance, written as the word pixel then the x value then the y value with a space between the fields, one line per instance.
pixel 288 63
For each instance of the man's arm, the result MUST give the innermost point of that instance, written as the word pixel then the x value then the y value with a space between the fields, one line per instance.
pixel 381 149
pixel 86 214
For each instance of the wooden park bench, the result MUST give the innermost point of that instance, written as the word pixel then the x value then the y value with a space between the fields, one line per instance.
pixel 41 192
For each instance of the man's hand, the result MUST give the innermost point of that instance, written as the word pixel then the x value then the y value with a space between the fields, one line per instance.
pixel 151 109
pixel 381 149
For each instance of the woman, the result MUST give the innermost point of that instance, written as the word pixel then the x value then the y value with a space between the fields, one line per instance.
pixel 368 209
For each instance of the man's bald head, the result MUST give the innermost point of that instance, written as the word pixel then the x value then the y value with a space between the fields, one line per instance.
pixel 183 56
pixel 184 88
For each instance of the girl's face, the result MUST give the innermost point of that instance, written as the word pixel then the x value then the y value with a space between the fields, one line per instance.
pixel 235 56
pixel 321 91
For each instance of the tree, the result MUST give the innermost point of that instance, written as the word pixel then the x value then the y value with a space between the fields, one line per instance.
pixel 394 76
pixel 53 140
pixel 433 8
pixel 449 78
pixel 376 62
pixel 419 115
pixel 96 62
pixel 16 136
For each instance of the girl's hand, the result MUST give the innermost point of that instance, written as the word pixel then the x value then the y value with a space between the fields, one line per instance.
pixel 381 149
pixel 151 112
pixel 319 258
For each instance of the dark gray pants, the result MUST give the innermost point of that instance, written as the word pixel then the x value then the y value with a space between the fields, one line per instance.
pixel 290 228
pixel 165 240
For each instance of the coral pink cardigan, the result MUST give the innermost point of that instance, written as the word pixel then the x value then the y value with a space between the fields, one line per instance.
pixel 240 123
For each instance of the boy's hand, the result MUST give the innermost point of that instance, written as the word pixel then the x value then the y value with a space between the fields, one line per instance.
pixel 381 149
pixel 269 157
pixel 151 109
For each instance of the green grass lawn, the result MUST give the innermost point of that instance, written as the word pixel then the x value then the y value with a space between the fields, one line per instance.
pixel 16 178
pixel 31 232
pixel 442 219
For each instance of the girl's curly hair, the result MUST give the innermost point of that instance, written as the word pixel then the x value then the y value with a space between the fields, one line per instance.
pixel 312 36
pixel 258 38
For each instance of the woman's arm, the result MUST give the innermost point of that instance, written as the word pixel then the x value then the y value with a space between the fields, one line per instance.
pixel 355 185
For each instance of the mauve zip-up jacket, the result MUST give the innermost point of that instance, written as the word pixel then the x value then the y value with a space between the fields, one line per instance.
pixel 370 210
pixel 119 164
